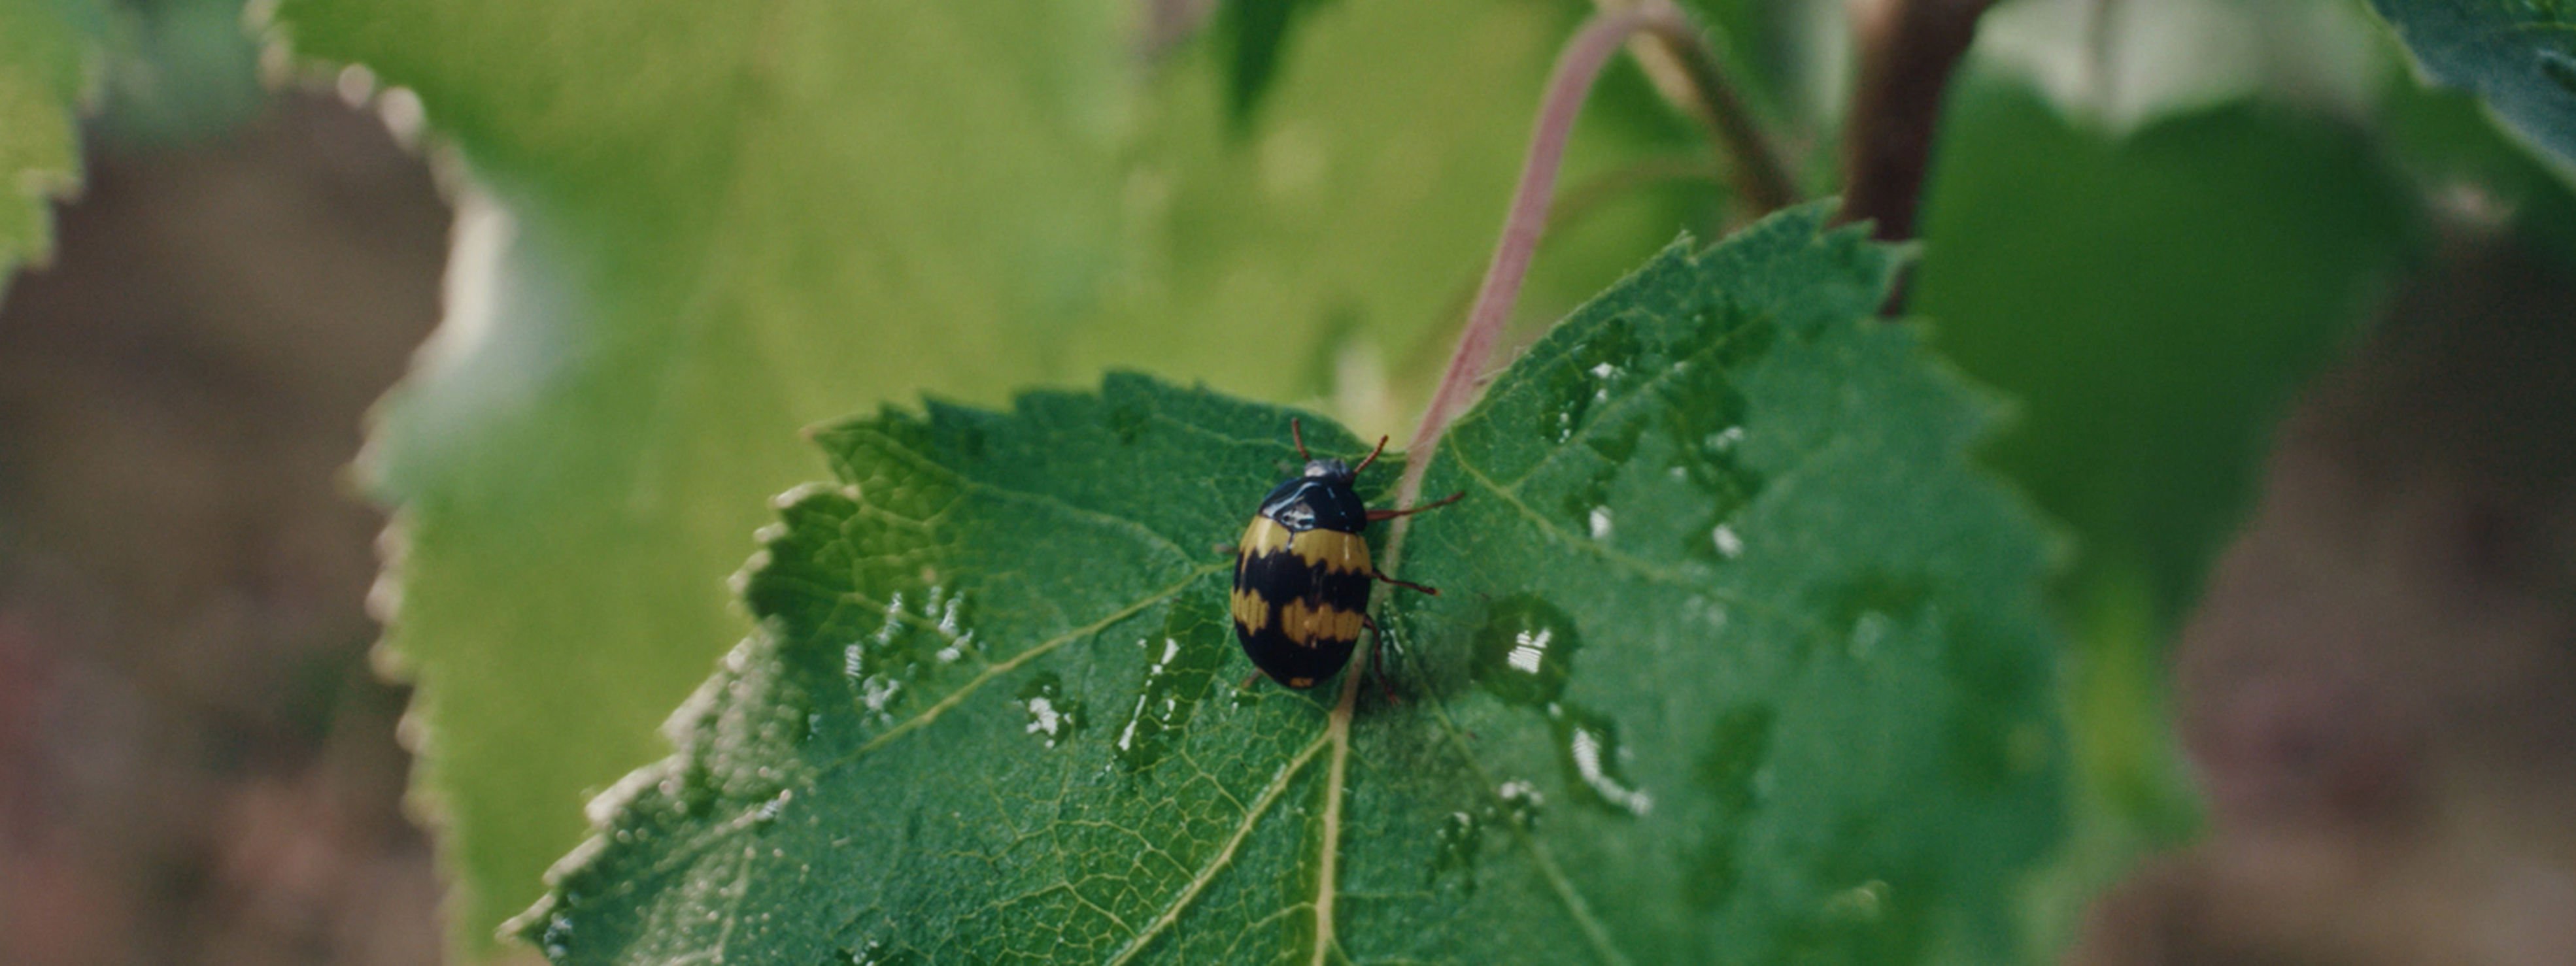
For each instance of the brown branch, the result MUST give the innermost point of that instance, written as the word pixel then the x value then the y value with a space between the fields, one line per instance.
pixel 1676 58
pixel 1907 49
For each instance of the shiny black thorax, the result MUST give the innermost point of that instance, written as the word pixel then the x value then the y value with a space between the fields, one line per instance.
pixel 1329 502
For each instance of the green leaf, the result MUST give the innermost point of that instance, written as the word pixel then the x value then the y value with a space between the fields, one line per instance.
pixel 43 52
pixel 1257 32
pixel 2152 302
pixel 799 208
pixel 1736 660
pixel 2520 55
pixel 179 71
pixel 2447 139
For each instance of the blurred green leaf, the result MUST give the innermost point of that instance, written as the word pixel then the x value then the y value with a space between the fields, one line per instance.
pixel 2520 55
pixel 1738 660
pixel 2460 152
pixel 701 226
pixel 44 50
pixel 179 70
pixel 2153 302
pixel 1256 32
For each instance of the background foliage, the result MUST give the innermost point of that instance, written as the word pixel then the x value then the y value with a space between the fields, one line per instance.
pixel 2146 399
pixel 1288 206
pixel 2520 56
pixel 42 62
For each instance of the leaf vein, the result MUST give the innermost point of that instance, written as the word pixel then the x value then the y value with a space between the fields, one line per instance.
pixel 1558 884
pixel 953 698
pixel 1224 856
pixel 920 461
pixel 1637 565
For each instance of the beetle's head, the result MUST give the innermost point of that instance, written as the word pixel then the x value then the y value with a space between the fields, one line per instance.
pixel 1333 470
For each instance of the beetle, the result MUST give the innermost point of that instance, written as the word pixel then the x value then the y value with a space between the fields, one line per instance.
pixel 1302 570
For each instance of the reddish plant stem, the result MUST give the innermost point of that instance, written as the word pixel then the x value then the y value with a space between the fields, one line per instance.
pixel 1576 69
pixel 1908 50
pixel 1572 205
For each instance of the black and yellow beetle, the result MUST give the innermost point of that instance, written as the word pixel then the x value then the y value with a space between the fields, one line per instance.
pixel 1302 570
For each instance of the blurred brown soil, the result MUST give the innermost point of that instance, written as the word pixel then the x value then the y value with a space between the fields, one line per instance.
pixel 2379 689
pixel 196 764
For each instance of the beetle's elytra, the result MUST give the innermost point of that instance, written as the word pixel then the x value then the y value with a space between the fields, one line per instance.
pixel 1302 571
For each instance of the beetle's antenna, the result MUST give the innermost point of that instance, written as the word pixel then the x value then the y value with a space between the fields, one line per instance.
pixel 1372 456
pixel 1298 434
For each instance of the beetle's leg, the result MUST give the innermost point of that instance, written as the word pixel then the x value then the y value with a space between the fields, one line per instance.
pixel 1406 584
pixel 1225 548
pixel 1377 659
pixel 1298 433
pixel 1249 680
pixel 1377 515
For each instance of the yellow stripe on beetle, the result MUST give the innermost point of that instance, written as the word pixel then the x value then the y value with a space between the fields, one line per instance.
pixel 1332 550
pixel 1307 625
pixel 1265 536
pixel 1251 610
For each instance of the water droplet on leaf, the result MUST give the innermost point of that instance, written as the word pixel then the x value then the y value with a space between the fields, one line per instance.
pixel 2560 68
pixel 1589 743
pixel 1616 440
pixel 1127 419
pixel 1521 802
pixel 1183 667
pixel 770 810
pixel 1525 651
pixel 557 940
pixel 1865 902
pixel 1053 717
pixel 878 953
pixel 1737 747
pixel 1872 607
pixel 1461 836
pixel 909 642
